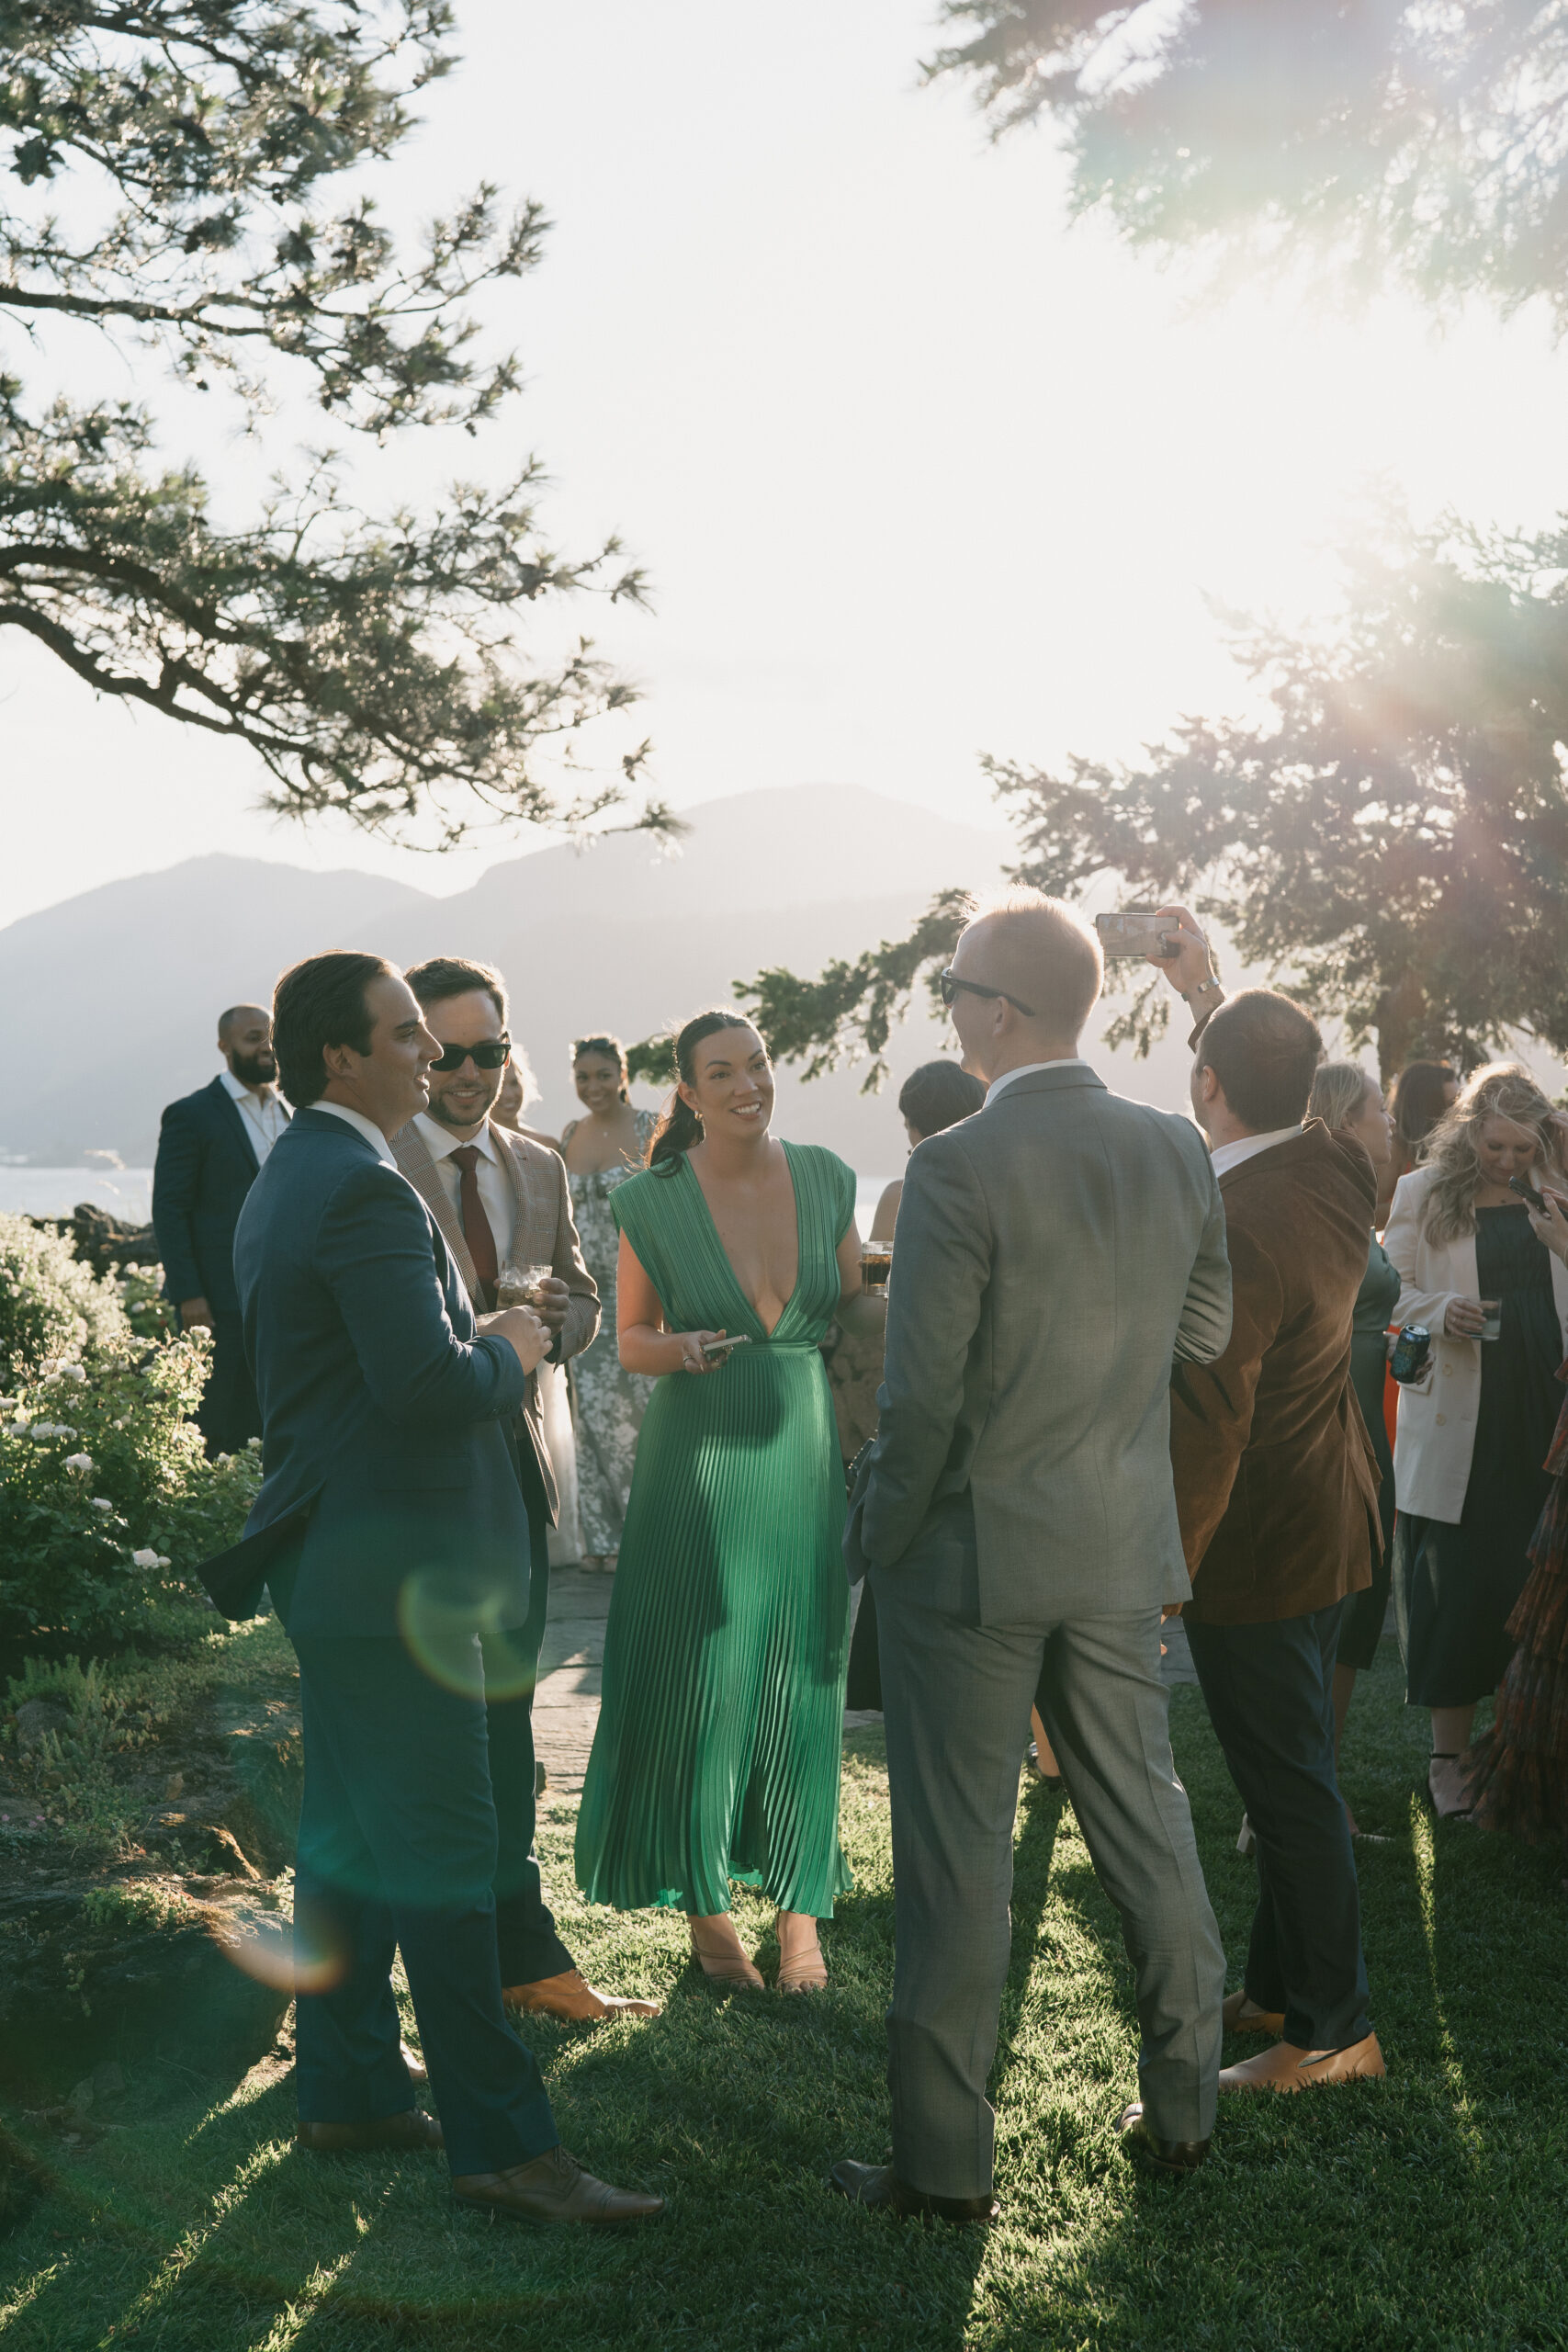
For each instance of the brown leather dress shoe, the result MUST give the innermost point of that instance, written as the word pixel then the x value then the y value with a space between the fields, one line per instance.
pixel 1286 2068
pixel 1162 2156
pixel 569 1996
pixel 879 2186
pixel 1241 2014
pixel 410 2128
pixel 553 2188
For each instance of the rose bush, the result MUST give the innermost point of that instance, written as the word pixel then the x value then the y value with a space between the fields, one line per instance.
pixel 107 1501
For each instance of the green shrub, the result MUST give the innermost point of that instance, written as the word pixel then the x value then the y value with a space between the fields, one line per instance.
pixel 52 1307
pixel 107 1502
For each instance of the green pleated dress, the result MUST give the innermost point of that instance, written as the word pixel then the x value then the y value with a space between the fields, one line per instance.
pixel 717 1755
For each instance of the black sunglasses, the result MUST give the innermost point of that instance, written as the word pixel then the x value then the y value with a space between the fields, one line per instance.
pixel 491 1053
pixel 950 984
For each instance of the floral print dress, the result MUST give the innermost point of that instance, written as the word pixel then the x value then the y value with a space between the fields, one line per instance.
pixel 607 1404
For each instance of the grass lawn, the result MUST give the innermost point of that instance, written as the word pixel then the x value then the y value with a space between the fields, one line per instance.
pixel 1431 2209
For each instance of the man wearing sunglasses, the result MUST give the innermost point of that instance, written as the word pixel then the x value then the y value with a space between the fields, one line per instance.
pixel 501 1202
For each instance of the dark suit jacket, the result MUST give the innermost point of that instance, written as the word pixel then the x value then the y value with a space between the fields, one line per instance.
pixel 390 1502
pixel 1275 1479
pixel 205 1167
pixel 1053 1255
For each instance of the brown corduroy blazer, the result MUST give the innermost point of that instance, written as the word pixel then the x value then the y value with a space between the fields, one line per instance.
pixel 545 1234
pixel 1276 1485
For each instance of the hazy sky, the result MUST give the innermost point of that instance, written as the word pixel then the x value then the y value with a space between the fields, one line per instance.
pixel 917 470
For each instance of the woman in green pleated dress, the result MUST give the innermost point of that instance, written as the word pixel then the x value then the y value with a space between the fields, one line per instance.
pixel 717 1755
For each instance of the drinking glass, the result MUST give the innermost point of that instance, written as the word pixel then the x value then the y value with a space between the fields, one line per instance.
pixel 522 1286
pixel 1493 1310
pixel 875 1265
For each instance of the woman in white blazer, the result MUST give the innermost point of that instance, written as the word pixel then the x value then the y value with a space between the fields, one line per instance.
pixel 1472 1437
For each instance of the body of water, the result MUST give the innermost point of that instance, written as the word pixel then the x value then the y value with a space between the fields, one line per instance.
pixel 127 1192
pixel 55 1191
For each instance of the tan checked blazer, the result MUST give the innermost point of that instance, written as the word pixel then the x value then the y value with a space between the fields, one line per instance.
pixel 544 1234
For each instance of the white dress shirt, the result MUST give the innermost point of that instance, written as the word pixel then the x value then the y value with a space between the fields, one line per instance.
pixel 499 1200
pixel 1231 1155
pixel 1027 1070
pixel 362 1126
pixel 263 1114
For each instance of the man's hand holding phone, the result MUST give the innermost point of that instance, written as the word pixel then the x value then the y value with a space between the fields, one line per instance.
pixel 523 1330
pixel 1192 968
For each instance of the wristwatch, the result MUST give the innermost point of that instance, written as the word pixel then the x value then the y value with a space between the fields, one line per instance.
pixel 1205 998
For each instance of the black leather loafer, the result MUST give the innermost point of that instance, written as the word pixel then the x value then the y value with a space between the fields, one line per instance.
pixel 1160 2155
pixel 879 2186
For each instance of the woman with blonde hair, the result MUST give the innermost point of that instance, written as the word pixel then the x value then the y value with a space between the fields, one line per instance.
pixel 1472 1437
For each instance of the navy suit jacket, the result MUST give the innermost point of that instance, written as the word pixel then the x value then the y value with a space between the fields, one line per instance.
pixel 204 1168
pixel 390 1502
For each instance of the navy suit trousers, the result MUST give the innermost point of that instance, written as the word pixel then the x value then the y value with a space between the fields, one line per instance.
pixel 397 1848
pixel 1270 1690
pixel 526 1931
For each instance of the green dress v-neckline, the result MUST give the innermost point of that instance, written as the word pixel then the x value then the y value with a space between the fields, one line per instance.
pixel 716 1237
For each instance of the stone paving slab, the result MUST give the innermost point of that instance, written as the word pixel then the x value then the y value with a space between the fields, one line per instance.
pixel 566 1700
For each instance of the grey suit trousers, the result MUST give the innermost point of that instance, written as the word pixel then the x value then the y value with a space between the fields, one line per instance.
pixel 957 1696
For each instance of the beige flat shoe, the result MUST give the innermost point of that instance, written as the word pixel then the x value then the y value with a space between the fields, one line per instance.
pixel 1286 2068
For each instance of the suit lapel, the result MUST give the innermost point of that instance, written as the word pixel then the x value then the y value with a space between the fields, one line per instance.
pixel 238 1125
pixel 409 1151
pixel 527 1248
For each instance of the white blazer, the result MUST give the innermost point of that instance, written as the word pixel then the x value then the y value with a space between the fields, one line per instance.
pixel 1435 1435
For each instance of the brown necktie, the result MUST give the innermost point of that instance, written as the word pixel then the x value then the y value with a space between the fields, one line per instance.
pixel 475 1224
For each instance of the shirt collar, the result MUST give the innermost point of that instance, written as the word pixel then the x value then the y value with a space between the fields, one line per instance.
pixel 1027 1070
pixel 362 1126
pixel 440 1142
pixel 245 1096
pixel 1231 1155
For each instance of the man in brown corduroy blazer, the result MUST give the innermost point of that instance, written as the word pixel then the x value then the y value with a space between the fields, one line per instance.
pixel 1276 1491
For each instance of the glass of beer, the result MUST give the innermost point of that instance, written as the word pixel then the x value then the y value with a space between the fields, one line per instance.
pixel 522 1286
pixel 875 1265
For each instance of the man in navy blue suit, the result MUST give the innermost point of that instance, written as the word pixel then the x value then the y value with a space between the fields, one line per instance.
pixel 391 1530
pixel 209 1147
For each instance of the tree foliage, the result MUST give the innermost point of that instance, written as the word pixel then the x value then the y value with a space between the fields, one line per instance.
pixel 1403 141
pixel 198 152
pixel 1391 838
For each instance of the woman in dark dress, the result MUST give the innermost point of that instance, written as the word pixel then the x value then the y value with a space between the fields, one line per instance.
pixel 1472 1440
pixel 1350 1103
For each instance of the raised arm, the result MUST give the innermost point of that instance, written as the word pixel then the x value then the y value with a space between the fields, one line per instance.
pixel 374 1255
pixel 1212 1405
pixel 942 1262
pixel 1204 1329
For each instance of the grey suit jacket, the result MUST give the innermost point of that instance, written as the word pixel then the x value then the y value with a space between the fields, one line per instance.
pixel 545 1234
pixel 1053 1255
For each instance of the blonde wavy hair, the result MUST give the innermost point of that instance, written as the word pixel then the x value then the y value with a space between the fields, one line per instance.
pixel 1338 1092
pixel 1499 1090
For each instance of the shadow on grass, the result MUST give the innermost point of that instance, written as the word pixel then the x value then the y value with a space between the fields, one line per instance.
pixel 1425 2211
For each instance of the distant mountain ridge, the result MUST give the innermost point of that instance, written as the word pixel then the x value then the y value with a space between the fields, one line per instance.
pixel 123 984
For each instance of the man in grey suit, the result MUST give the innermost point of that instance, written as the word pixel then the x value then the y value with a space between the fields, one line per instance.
pixel 1054 1255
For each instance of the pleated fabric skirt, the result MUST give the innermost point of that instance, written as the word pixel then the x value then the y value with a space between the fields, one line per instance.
pixel 717 1756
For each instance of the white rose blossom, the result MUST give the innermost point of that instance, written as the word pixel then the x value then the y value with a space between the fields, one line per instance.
pixel 144 1559
pixel 101 1503
pixel 79 1464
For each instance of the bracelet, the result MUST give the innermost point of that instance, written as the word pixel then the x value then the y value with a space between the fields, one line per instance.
pixel 1204 988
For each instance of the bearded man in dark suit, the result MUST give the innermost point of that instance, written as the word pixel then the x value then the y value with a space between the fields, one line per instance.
pixel 211 1147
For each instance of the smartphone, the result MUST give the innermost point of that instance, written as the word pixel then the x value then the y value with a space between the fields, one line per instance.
pixel 714 1349
pixel 1135 932
pixel 1527 1191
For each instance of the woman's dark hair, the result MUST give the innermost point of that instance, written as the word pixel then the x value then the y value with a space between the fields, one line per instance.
pixel 938 1095
pixel 613 1051
pixel 1419 1101
pixel 318 1003
pixel 1265 1051
pixel 680 1128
